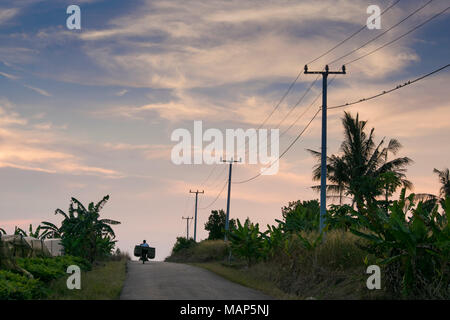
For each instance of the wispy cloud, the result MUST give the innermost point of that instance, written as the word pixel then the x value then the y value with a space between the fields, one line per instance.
pixel 40 148
pixel 9 76
pixel 121 92
pixel 7 14
pixel 38 90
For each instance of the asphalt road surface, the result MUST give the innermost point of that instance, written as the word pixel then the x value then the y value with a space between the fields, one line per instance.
pixel 174 281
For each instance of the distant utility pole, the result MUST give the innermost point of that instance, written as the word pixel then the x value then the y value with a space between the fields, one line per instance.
pixel 195 221
pixel 227 221
pixel 323 168
pixel 187 226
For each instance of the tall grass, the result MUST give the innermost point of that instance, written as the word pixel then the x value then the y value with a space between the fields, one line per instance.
pixel 204 251
pixel 335 269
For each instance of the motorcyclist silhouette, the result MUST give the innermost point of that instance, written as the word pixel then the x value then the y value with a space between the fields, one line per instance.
pixel 144 246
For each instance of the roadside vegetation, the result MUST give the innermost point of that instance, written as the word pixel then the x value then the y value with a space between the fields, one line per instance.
pixel 88 242
pixel 42 272
pixel 103 282
pixel 408 238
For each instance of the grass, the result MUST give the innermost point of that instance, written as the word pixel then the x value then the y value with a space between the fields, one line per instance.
pixel 245 278
pixel 103 282
pixel 204 251
pixel 333 270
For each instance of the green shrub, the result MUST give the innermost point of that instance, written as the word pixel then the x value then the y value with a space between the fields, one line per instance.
pixel 17 287
pixel 300 216
pixel 47 269
pixel 183 244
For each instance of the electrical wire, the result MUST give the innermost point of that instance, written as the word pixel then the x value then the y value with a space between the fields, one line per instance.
pixel 398 38
pixel 310 87
pixel 340 106
pixel 383 33
pixel 388 91
pixel 217 197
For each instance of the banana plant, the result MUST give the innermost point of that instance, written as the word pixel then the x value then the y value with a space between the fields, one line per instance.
pixel 247 241
pixel 35 234
pixel 19 231
pixel 275 239
pixel 50 230
pixel 82 232
pixel 418 244
pixel 312 244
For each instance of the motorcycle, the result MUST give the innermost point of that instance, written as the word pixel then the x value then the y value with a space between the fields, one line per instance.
pixel 144 253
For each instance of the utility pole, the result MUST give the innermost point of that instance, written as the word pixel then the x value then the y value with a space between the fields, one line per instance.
pixel 187 226
pixel 323 166
pixel 195 221
pixel 227 221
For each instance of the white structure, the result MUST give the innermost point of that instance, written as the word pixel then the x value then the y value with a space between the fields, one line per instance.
pixel 54 246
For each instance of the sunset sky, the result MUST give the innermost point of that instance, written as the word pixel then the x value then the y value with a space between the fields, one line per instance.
pixel 90 112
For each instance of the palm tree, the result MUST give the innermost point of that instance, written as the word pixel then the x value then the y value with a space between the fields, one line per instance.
pixel 2 231
pixel 444 178
pixel 361 169
pixel 336 173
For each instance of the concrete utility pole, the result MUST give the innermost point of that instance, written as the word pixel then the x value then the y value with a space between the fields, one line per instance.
pixel 227 221
pixel 195 220
pixel 187 226
pixel 323 168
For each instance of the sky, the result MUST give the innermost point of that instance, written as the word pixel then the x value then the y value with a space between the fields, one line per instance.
pixel 90 112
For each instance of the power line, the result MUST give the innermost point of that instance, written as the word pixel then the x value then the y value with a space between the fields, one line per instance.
pixel 383 33
pixel 379 48
pixel 340 106
pixel 285 131
pixel 217 197
pixel 313 60
pixel 209 175
pixel 398 38
pixel 292 109
pixel 347 54
pixel 306 110
pixel 389 43
pixel 354 34
pixel 363 27
pixel 217 182
pixel 284 152
pixel 365 55
pixel 391 90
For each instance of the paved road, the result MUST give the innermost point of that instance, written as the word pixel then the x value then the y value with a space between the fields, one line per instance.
pixel 174 281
